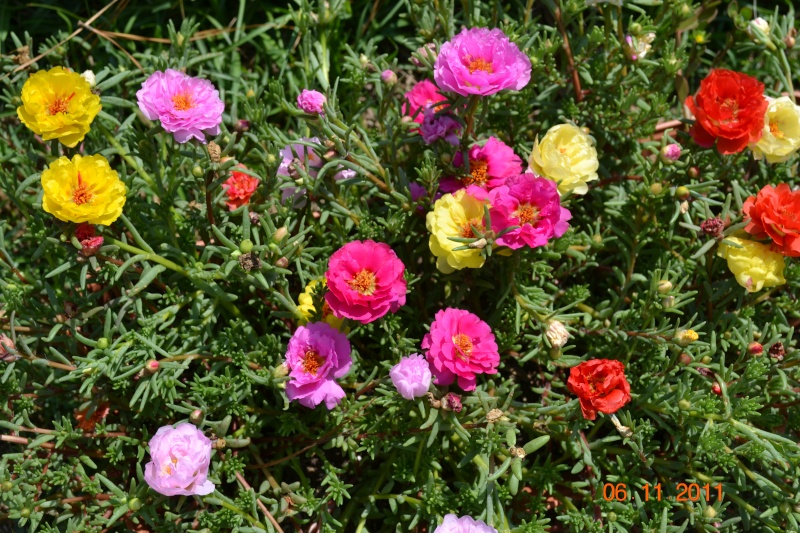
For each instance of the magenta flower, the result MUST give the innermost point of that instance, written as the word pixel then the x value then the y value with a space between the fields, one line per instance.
pixel 460 345
pixel 317 354
pixel 465 524
pixel 411 376
pixel 365 281
pixel 490 166
pixel 311 102
pixel 437 126
pixel 481 61
pixel 187 107
pixel 179 460
pixel 418 192
pixel 422 95
pixel 533 204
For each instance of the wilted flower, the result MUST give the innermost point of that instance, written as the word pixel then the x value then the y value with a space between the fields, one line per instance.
pixel 179 461
pixel 84 189
pixel 58 104
pixel 557 334
pixel 311 102
pixel 460 345
pixel 317 355
pixel 454 215
pixel 490 166
pixel 187 107
pixel 780 137
pixel 754 264
pixel 567 156
pixel 777 351
pixel 411 376
pixel 713 227
pixel 239 187
pixel 686 336
pixel 365 281
pixel 305 303
pixel 465 524
pixel 481 61
pixel 437 126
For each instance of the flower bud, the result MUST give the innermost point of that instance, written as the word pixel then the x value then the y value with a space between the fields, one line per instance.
pixel 242 126
pixel 557 334
pixel 196 417
pixel 134 504
pixel 664 286
pixel 713 227
pixel 706 359
pixel 656 188
pixel 197 171
pixel 709 512
pixel 685 359
pixel 8 352
pixel 668 302
pixel 555 353
pixel 755 348
pixel 684 404
pixel 280 234
pixel 686 336
pixel 789 41
pixel 758 24
pixel 102 343
pixel 682 192
pixel 612 516
pixel 214 151
pixel 246 246
pixel 670 153
pixel 6 486
pixel 364 60
pixel 693 172
pixel 452 402
pixel 24 512
pixel 88 75
pixel 389 77
pixel 282 262
pixel 280 371
pixel 152 366
pixel 716 389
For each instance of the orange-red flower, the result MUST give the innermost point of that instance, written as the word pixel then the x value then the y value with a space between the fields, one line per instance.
pixel 600 385
pixel 239 187
pixel 729 108
pixel 775 213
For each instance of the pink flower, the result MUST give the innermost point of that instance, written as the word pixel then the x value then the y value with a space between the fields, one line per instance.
pixel 90 244
pixel 8 352
pixel 365 281
pixel 388 77
pixel 465 524
pixel 423 94
pixel 179 460
pixel 533 203
pixel 411 376
pixel 481 61
pixel 186 106
pixel 460 345
pixel 670 153
pixel 317 354
pixel 490 166
pixel 437 126
pixel 311 102
pixel 239 188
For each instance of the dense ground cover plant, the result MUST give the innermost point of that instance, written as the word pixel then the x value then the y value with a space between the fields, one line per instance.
pixel 427 266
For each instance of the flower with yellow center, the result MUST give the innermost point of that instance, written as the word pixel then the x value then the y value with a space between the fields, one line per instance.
pixel 567 156
pixel 780 137
pixel 306 307
pixel 754 264
pixel 454 215
pixel 58 104
pixel 85 189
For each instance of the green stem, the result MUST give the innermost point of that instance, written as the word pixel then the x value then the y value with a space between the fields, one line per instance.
pixel 150 256
pixel 231 507
pixel 128 159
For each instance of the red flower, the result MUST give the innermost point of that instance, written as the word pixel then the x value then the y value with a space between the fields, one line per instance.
pixel 729 108
pixel 775 213
pixel 600 385
pixel 240 187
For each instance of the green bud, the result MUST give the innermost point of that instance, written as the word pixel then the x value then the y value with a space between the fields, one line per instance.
pixel 102 343
pixel 196 417
pixel 706 359
pixel 709 512
pixel 656 188
pixel 134 504
pixel 612 516
pixel 664 286
pixel 785 507
pixel 685 405
pixel 197 171
pixel 235 254
pixel 280 234
pixel 635 28
pixel 274 248
pixel 682 192
pixel 24 512
pixel 246 246
pixel 6 486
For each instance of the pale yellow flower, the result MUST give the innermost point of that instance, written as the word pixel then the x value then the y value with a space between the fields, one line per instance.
pixel 452 216
pixel 567 156
pixel 306 306
pixel 58 104
pixel 85 189
pixel 780 137
pixel 754 264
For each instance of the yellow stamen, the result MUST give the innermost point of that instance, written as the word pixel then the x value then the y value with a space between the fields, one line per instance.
pixel 477 173
pixel 774 129
pixel 527 214
pixel 312 361
pixel 81 194
pixel 363 282
pixel 479 64
pixel 59 105
pixel 182 101
pixel 463 346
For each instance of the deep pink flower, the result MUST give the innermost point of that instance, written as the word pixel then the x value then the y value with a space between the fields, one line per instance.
pixel 460 345
pixel 423 94
pixel 239 188
pixel 481 61
pixel 311 102
pixel 365 281
pixel 490 166
pixel 533 203
pixel 465 524
pixel 411 376
pixel 179 460
pixel 437 126
pixel 317 354
pixel 83 231
pixel 187 107
pixel 91 246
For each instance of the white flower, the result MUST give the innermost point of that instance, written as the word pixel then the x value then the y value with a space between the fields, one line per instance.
pixel 88 75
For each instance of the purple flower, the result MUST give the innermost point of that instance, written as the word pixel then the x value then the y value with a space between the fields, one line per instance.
pixel 311 102
pixel 411 376
pixel 317 354
pixel 533 204
pixel 465 524
pixel 179 460
pixel 437 126
pixel 417 191
pixel 187 107
pixel 481 61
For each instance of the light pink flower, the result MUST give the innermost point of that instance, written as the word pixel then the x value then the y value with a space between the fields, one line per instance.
pixel 317 355
pixel 465 524
pixel 389 77
pixel 437 126
pixel 311 102
pixel 179 460
pixel 460 345
pixel 481 61
pixel 671 153
pixel 411 376
pixel 7 349
pixel 187 107
pixel 423 94
pixel 365 281
pixel 533 203
pixel 490 166
pixel 239 187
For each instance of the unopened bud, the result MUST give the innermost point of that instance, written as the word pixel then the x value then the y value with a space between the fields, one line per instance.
pixel 685 359
pixel 755 348
pixel 693 172
pixel 180 39
pixel 656 188
pixel 246 246
pixel 242 126
pixel 196 417
pixel 89 76
pixel 789 41
pixel 102 343
pixel 668 302
pixel 664 286
pixel 152 366
pixel 389 77
pixel 682 192
pixel 134 504
pixel 557 334
pixel 758 24
pixel 716 389
pixel 670 153
pixel 282 262
pixel 6 486
pixel 612 516
pixel 684 404
pixel 280 371
pixel 8 352
pixel 364 60
pixel 214 151
pixel 709 512
pixel 280 234
pixel 197 171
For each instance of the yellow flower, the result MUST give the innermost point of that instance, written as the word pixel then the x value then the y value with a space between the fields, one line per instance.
pixel 686 336
pixel 780 137
pixel 306 307
pixel 452 216
pixel 58 104
pixel 754 264
pixel 567 156
pixel 85 189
